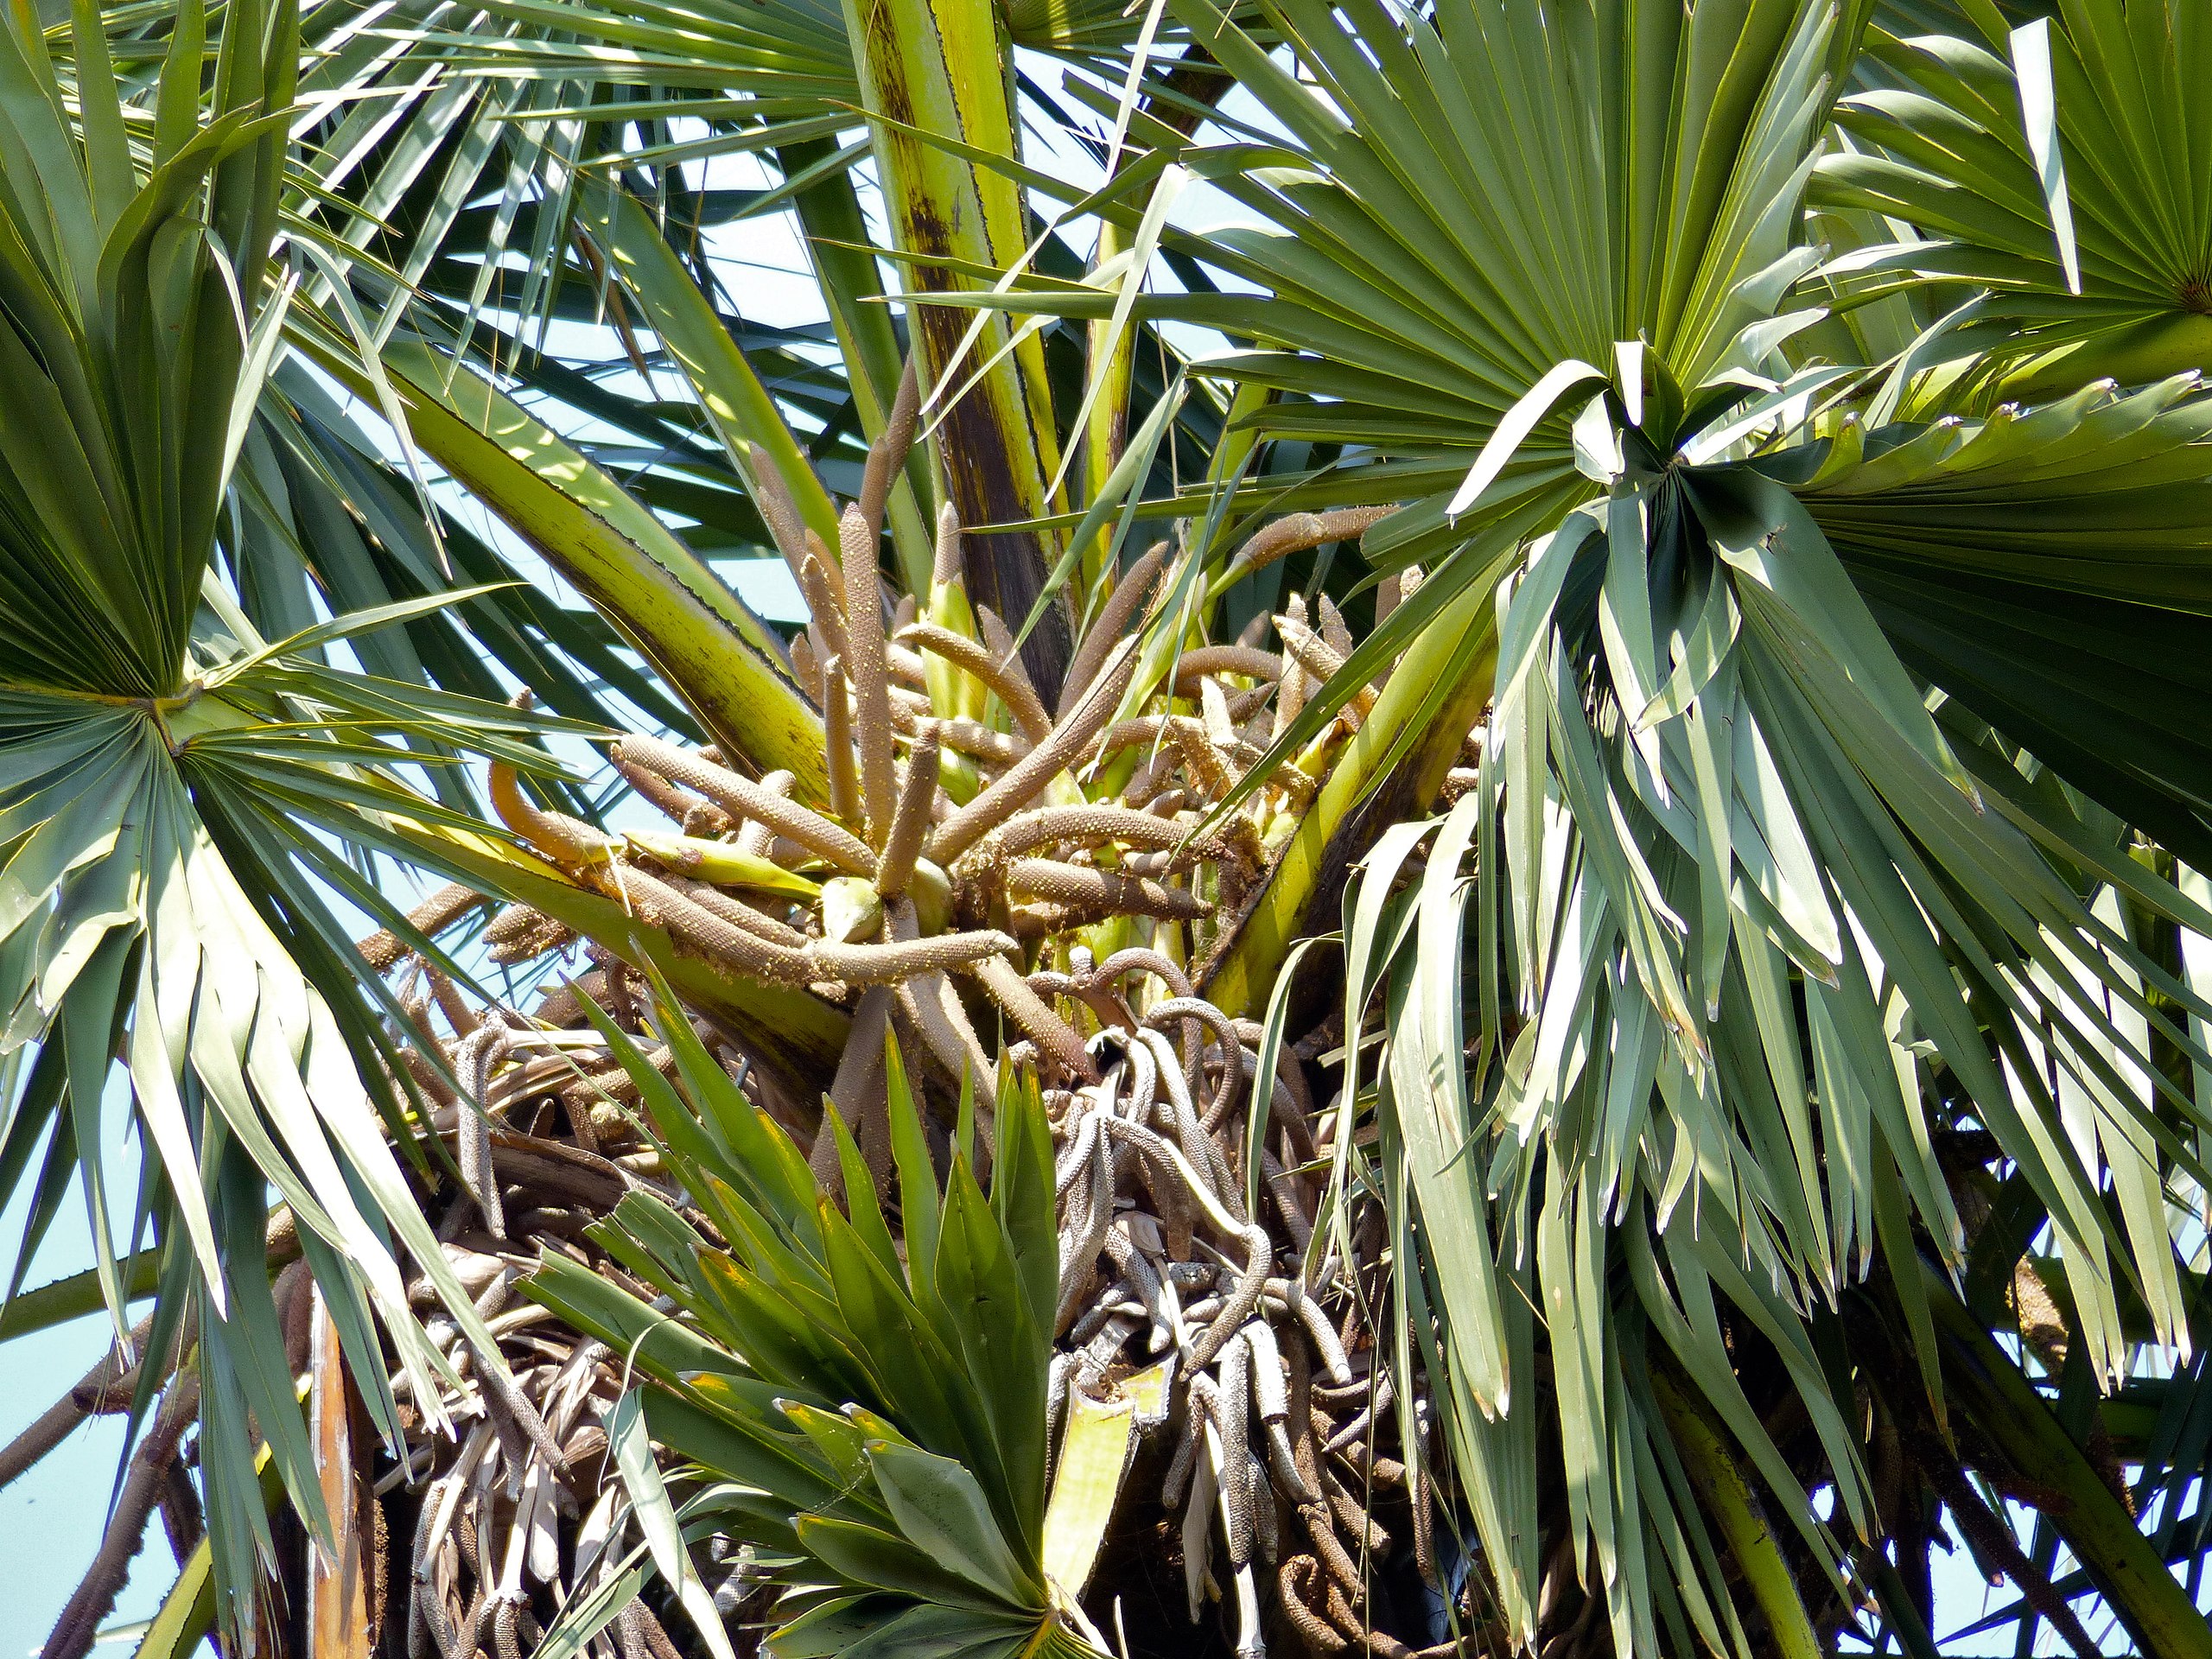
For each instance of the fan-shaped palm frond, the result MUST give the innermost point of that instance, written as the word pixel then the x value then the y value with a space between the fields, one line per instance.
pixel 2057 166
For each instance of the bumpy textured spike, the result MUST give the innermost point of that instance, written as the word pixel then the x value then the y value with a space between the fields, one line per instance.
pixel 1238 1306
pixel 910 823
pixel 998 639
pixel 806 668
pixel 679 806
pixel 757 835
pixel 1319 659
pixel 826 605
pixel 1088 826
pixel 930 1002
pixel 1053 1034
pixel 887 454
pixel 992 670
pixel 741 795
pixel 908 672
pixel 878 964
pixel 568 842
pixel 515 922
pixel 1070 738
pixel 1197 663
pixel 1334 630
pixel 971 737
pixel 1138 959
pixel 771 494
pixel 1290 695
pixel 1184 1006
pixel 383 949
pixel 871 684
pixel 1106 892
pixel 949 566
pixel 1300 530
pixel 1130 596
pixel 737 914
pixel 698 929
pixel 1231 1409
pixel 472 1128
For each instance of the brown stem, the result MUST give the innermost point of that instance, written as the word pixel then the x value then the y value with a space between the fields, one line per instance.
pixel 94 1599
pixel 55 1424
pixel 1993 1540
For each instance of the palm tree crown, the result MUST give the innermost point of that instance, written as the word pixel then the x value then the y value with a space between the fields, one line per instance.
pixel 1472 917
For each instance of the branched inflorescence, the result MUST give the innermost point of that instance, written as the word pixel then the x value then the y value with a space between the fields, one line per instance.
pixel 988 879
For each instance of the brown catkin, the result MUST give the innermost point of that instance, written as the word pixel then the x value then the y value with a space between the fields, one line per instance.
pixel 910 823
pixel 1088 825
pixel 865 665
pixel 963 653
pixel 715 902
pixel 998 639
pixel 932 1007
pixel 1104 890
pixel 969 737
pixel 1317 658
pixel 908 672
pixel 887 454
pixel 1054 1037
pixel 756 837
pixel 1196 665
pixel 771 494
pixel 566 841
pixel 948 567
pixel 746 798
pixel 857 1092
pixel 1300 530
pixel 1207 764
pixel 1129 596
pixel 515 922
pixel 383 948
pixel 1035 770
pixel 699 929
pixel 825 607
pixel 678 805
pixel 1334 629
pixel 878 964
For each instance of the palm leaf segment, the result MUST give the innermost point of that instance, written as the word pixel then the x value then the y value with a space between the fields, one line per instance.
pixel 2056 172
pixel 882 1440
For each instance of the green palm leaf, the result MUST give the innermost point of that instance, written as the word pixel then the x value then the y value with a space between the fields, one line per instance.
pixel 880 1421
